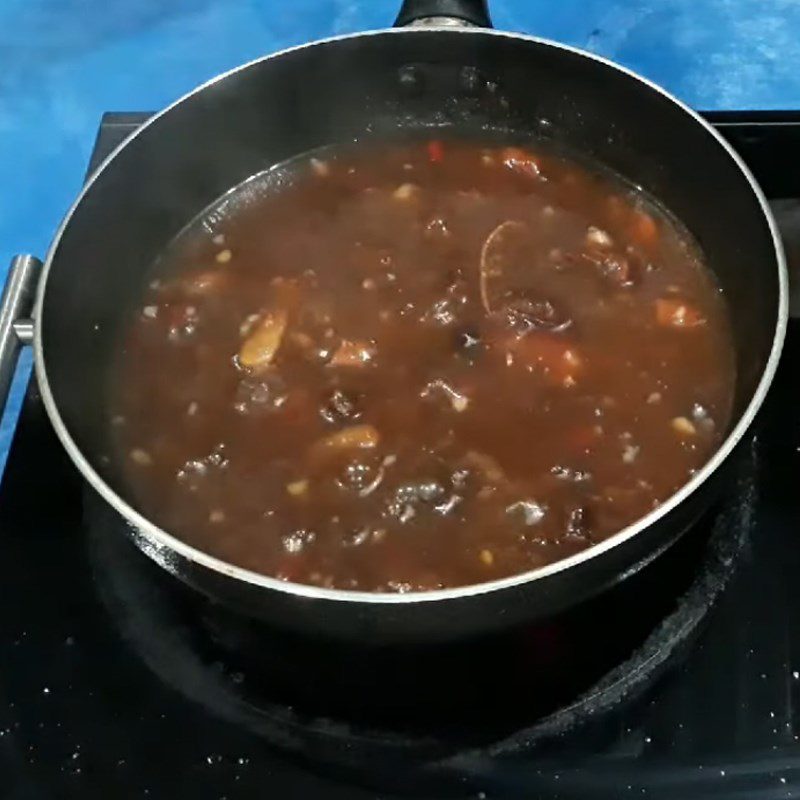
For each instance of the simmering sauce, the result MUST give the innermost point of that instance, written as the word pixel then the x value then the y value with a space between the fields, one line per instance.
pixel 418 365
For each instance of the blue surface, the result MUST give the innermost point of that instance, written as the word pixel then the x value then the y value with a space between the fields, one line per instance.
pixel 64 62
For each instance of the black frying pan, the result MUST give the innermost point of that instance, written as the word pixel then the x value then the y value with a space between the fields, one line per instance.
pixel 440 71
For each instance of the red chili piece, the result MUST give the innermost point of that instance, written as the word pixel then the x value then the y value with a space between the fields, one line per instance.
pixel 435 151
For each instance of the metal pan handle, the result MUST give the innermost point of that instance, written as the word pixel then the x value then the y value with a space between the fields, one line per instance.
pixel 444 12
pixel 16 326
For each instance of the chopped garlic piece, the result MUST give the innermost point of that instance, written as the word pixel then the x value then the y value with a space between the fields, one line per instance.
pixel 353 354
pixel 141 457
pixel 598 237
pixel 320 168
pixel 356 437
pixel 297 488
pixel 404 192
pixel 683 426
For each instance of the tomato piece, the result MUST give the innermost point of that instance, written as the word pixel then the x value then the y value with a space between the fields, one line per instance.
pixel 435 151
pixel 353 354
pixel 558 358
pixel 644 229
pixel 616 209
pixel 291 567
pixel 582 438
pixel 676 313
pixel 520 161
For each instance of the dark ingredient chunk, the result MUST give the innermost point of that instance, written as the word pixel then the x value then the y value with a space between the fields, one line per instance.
pixel 524 314
pixel 340 407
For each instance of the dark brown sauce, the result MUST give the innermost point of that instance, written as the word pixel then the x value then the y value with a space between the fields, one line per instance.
pixel 420 365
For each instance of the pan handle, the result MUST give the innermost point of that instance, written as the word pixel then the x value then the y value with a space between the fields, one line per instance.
pixel 437 12
pixel 16 327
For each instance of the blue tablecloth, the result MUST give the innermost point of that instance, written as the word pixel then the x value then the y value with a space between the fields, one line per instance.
pixel 64 62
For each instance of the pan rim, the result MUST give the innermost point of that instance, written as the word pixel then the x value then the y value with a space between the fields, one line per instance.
pixel 166 549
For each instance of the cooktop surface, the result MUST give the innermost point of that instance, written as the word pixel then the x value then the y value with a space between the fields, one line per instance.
pixel 116 681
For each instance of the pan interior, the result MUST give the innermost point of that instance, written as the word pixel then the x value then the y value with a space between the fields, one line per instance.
pixel 470 83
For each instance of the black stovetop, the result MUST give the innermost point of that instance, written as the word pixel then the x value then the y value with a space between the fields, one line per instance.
pixel 117 682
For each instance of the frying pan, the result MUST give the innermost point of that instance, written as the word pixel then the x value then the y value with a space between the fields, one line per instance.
pixel 442 68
